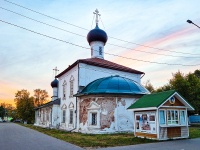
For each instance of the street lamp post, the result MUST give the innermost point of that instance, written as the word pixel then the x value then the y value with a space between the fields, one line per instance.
pixel 189 21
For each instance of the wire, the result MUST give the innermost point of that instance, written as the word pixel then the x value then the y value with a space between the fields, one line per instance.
pixel 151 52
pixel 92 21
pixel 153 62
pixel 44 35
pixel 88 30
pixel 45 15
pixel 41 22
pixel 89 48
pixel 102 22
pixel 84 36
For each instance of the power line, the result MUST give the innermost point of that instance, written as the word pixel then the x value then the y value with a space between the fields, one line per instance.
pixel 88 30
pixel 41 22
pixel 151 52
pixel 45 15
pixel 89 48
pixel 84 36
pixel 102 22
pixel 92 21
pixel 44 35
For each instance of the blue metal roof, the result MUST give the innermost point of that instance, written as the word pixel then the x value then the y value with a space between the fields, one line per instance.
pixel 114 85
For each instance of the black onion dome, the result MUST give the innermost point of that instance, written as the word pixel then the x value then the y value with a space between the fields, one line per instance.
pixel 54 83
pixel 97 34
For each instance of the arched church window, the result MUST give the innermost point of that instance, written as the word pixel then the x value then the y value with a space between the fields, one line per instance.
pixel 63 116
pixel 71 117
pixel 94 115
pixel 64 89
pixel 71 113
pixel 63 108
pixel 71 86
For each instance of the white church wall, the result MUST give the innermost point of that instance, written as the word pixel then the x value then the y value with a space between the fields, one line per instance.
pixel 56 116
pixel 68 100
pixel 88 73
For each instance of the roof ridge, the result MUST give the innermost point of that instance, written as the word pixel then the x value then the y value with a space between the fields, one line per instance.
pixel 103 64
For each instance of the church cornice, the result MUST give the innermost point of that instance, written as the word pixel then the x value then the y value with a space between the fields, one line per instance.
pixel 101 63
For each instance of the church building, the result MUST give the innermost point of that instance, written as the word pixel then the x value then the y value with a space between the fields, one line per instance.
pixel 92 95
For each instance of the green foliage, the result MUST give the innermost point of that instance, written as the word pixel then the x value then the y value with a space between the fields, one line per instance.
pixel 25 106
pixel 197 73
pixel 164 88
pixel 187 85
pixel 2 112
pixel 7 110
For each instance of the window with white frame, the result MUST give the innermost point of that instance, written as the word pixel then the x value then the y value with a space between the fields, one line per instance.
pixel 71 117
pixel 94 115
pixel 172 117
pixel 64 89
pixel 63 116
pixel 93 118
pixel 71 86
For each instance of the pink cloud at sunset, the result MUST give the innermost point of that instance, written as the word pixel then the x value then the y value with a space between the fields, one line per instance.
pixel 165 40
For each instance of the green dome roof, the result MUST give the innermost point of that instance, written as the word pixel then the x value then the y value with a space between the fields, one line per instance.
pixel 114 85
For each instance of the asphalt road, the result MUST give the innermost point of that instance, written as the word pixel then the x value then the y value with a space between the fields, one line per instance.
pixel 185 144
pixel 16 137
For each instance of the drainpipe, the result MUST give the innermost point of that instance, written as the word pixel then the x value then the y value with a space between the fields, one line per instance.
pixel 142 76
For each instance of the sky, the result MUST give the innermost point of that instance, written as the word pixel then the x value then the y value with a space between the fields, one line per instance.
pixel 150 36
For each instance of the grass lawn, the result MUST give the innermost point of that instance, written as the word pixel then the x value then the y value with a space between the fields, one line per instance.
pixel 93 140
pixel 195 131
pixel 103 140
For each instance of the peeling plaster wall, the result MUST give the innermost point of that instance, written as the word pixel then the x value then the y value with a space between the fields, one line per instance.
pixel 43 117
pixel 113 114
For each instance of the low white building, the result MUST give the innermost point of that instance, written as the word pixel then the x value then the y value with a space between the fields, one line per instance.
pixel 75 107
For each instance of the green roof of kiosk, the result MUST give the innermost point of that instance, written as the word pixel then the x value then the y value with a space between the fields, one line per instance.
pixel 114 85
pixel 152 100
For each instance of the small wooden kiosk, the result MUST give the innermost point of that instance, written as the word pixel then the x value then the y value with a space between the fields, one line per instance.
pixel 161 116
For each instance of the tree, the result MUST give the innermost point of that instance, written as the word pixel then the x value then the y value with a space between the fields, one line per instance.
pixel 164 88
pixel 2 112
pixel 187 85
pixel 40 97
pixel 197 73
pixel 24 105
pixel 149 86
pixel 8 110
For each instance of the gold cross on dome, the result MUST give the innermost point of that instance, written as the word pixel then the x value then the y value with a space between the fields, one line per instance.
pixel 96 12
